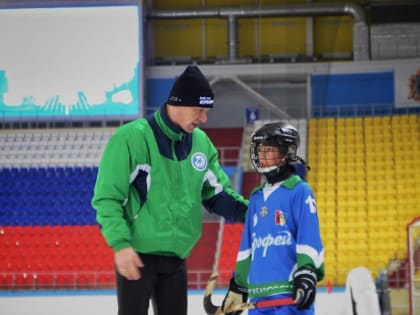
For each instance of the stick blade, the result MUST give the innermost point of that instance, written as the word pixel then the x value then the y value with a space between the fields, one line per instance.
pixel 209 307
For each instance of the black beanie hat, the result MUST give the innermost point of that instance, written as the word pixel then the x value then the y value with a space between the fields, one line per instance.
pixel 191 88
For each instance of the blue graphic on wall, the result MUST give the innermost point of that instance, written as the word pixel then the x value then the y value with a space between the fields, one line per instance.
pixel 70 61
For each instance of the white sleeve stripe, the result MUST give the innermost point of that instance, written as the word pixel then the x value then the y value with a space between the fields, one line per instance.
pixel 212 179
pixel 318 258
pixel 244 254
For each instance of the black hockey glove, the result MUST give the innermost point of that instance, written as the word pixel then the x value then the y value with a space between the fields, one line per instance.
pixel 236 295
pixel 304 288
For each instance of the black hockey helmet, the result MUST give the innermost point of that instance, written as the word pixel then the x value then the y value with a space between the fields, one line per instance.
pixel 278 134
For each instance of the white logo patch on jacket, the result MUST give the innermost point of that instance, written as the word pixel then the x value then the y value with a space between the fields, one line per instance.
pixel 199 161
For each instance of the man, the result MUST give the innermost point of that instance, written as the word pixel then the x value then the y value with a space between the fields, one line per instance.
pixel 153 178
pixel 281 253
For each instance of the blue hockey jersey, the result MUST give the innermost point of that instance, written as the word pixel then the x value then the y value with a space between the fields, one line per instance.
pixel 281 234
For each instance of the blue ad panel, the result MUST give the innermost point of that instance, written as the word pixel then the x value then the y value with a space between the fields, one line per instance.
pixel 335 90
pixel 157 92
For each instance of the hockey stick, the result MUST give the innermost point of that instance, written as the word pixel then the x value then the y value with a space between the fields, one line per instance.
pixel 212 309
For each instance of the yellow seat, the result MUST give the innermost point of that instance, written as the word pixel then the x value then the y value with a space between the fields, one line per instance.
pixel 364 175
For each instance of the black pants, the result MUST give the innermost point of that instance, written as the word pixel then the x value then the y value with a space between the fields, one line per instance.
pixel 163 278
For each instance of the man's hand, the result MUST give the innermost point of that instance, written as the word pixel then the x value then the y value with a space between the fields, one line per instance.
pixel 304 288
pixel 128 263
pixel 236 295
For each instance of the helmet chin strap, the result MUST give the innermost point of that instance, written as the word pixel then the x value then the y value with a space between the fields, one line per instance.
pixel 267 169
pixel 279 174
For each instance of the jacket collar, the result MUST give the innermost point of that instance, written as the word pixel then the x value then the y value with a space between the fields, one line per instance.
pixel 167 126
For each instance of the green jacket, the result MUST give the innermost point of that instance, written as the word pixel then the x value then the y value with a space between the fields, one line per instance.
pixel 152 181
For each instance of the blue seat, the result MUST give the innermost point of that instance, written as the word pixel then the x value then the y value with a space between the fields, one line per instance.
pixel 32 171
pixel 14 172
pixel 78 170
pixel 69 171
pixel 41 172
pixel 47 196
pixel 23 171
pixel 4 172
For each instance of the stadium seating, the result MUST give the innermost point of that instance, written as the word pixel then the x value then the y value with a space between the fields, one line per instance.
pixel 49 237
pixel 363 177
pixel 364 191
pixel 53 147
pixel 229 248
pixel 201 262
pixel 48 233
pixel 228 142
pixel 54 256
pixel 363 172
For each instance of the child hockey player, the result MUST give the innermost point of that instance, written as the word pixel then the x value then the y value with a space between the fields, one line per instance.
pixel 281 252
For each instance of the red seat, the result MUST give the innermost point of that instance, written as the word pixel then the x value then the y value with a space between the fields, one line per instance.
pixel 6 280
pixel 15 264
pixel 85 280
pixel 224 278
pixel 202 258
pixel 232 234
pixel 52 256
pixel 106 279
pixel 65 280
pixel 44 280
pixel 24 280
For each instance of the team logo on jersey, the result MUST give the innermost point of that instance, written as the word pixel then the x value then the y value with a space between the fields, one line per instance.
pixel 280 218
pixel 199 161
pixel 264 211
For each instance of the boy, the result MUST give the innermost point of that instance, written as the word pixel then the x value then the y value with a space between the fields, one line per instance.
pixel 281 251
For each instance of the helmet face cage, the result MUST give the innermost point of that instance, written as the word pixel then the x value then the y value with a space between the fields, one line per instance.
pixel 281 135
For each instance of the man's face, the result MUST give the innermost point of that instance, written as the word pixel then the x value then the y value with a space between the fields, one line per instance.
pixel 188 117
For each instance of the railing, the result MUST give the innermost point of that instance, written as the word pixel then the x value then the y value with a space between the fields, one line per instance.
pixel 362 110
pixel 56 280
pixel 294 111
pixel 74 280
pixel 197 279
pixel 229 155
